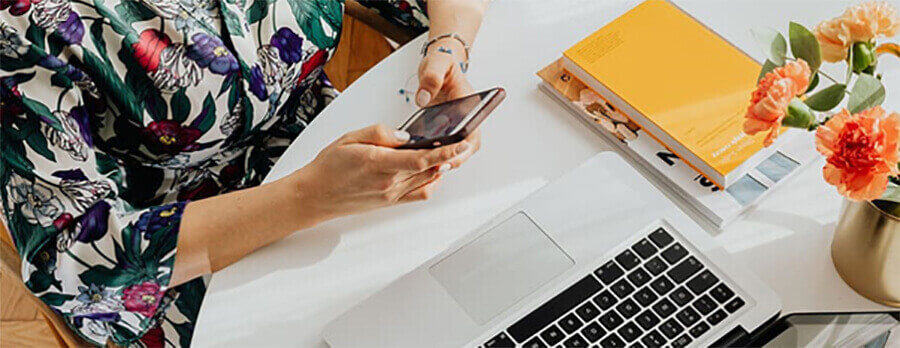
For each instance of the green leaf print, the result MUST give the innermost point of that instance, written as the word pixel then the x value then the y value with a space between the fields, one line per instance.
pixel 99 42
pixel 35 34
pixel 232 20
pixel 181 106
pixel 132 11
pixel 207 116
pixel 313 15
pixel 257 11
pixel 56 299
pixel 38 143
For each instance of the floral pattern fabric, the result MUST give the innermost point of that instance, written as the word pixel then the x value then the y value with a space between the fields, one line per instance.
pixel 114 114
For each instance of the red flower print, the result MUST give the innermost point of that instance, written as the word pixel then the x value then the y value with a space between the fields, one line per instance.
pixel 154 338
pixel 148 48
pixel 142 298
pixel 403 6
pixel 17 7
pixel 315 61
pixel 206 188
pixel 170 137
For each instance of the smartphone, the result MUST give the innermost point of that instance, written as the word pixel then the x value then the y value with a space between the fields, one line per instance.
pixel 451 121
pixel 868 330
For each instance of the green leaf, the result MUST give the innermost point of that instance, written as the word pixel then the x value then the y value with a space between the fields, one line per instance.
pixel 232 21
pixel 867 92
pixel 813 82
pixel 827 98
pixel 772 42
pixel 38 143
pixel 131 11
pixel 35 34
pixel 205 120
pixel 60 80
pixel 38 281
pixel 55 299
pixel 99 42
pixel 767 67
pixel 257 11
pixel 805 46
pixel 181 106
pixel 112 277
pixel 313 15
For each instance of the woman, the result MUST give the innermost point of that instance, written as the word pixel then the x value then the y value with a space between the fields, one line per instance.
pixel 136 133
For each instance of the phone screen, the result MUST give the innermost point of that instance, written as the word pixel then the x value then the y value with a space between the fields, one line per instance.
pixel 444 119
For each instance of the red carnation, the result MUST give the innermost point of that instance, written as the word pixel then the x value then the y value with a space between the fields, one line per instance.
pixel 148 48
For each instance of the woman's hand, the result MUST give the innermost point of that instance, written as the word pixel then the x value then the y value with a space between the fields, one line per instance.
pixel 362 171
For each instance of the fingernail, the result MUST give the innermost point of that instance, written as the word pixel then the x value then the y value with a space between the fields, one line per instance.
pixel 401 135
pixel 462 147
pixel 444 168
pixel 423 97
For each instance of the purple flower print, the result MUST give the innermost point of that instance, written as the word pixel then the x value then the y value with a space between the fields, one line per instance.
pixel 257 83
pixel 209 51
pixel 289 45
pixel 72 30
pixel 94 223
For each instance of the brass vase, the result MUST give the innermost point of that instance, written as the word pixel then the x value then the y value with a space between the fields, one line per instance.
pixel 866 251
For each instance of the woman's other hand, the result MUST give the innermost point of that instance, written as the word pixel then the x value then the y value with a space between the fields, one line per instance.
pixel 363 170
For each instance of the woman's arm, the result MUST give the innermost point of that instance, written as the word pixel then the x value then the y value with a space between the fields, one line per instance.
pixel 358 172
pixel 440 75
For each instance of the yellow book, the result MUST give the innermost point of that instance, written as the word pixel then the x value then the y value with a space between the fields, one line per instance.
pixel 685 85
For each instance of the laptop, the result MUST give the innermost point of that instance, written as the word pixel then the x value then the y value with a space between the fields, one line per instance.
pixel 598 257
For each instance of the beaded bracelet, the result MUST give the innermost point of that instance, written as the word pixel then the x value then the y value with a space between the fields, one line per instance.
pixel 464 65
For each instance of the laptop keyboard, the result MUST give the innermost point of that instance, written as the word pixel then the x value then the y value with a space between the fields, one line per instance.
pixel 654 294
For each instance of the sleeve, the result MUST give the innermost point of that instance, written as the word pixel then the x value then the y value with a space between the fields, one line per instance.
pixel 103 265
pixel 411 14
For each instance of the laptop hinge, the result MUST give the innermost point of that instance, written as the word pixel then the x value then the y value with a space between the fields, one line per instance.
pixel 737 337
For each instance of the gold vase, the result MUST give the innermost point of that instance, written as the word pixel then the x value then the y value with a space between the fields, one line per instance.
pixel 866 251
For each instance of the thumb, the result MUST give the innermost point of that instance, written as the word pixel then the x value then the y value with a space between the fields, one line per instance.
pixel 379 135
pixel 431 78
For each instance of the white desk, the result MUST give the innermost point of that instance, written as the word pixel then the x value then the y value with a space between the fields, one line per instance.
pixel 285 294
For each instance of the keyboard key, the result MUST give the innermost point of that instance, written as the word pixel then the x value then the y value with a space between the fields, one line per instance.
pixel 674 253
pixel 552 335
pixel 630 332
pixel 628 260
pixel 647 320
pixel 682 341
pixel 501 340
pixel 704 304
pixel 587 311
pixel 576 341
pixel 681 296
pixel 734 305
pixel 593 332
pixel 664 308
pixel 685 269
pixel 639 277
pixel 622 288
pixel 660 237
pixel 628 308
pixel 609 272
pixel 612 341
pixel 637 345
pixel 671 328
pixel 551 310
pixel 717 317
pixel 605 300
pixel 721 293
pixel 653 339
pixel 656 266
pixel 662 286
pixel 699 329
pixel 644 248
pixel 645 297
pixel 702 281
pixel 570 323
pixel 611 320
pixel 535 343
pixel 688 316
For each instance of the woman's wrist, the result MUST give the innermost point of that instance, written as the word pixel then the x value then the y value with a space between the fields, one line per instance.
pixel 297 192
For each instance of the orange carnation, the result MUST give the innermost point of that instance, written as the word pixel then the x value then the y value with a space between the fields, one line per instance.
pixel 859 23
pixel 769 102
pixel 861 150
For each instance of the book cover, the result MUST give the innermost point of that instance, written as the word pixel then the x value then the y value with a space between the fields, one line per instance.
pixel 717 206
pixel 687 86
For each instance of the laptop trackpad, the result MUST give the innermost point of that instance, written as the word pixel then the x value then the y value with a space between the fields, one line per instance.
pixel 500 267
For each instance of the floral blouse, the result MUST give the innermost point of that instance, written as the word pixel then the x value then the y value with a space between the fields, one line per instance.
pixel 116 113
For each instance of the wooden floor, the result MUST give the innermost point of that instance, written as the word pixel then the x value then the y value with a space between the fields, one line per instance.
pixel 21 325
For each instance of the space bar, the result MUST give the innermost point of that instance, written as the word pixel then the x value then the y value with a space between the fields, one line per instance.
pixel 553 309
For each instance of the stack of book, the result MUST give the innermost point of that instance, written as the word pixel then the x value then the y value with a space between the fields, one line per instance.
pixel 671 94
